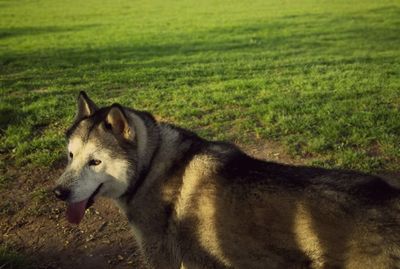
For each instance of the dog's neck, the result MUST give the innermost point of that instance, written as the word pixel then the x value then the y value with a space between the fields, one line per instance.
pixel 163 183
pixel 173 145
pixel 164 156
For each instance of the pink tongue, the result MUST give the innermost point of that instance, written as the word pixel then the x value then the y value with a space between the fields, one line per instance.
pixel 76 211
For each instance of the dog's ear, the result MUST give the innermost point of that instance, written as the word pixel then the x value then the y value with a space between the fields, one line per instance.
pixel 118 123
pixel 86 107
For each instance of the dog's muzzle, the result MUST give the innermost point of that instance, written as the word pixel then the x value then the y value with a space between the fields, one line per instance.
pixel 61 193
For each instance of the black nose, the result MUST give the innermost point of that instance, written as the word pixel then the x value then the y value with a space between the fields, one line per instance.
pixel 61 193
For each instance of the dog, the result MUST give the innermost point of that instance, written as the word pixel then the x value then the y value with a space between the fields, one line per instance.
pixel 194 203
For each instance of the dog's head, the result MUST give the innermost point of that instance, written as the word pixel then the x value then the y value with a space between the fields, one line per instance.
pixel 102 156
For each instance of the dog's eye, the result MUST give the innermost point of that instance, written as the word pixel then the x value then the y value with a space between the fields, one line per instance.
pixel 71 155
pixel 94 162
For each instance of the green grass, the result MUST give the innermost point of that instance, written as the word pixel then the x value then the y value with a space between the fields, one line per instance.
pixel 10 259
pixel 320 77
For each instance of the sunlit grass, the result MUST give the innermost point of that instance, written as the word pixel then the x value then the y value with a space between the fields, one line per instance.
pixel 322 78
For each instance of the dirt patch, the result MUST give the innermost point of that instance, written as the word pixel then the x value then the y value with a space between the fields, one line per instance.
pixel 272 151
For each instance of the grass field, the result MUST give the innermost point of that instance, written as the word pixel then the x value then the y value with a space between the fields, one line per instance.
pixel 322 78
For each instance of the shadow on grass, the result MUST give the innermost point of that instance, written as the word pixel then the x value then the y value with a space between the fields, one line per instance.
pixel 291 42
pixel 30 31
pixel 290 45
pixel 10 115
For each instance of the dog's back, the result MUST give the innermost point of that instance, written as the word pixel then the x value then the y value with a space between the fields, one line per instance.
pixel 236 211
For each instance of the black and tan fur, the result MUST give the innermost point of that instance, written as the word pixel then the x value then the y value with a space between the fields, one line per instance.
pixel 194 203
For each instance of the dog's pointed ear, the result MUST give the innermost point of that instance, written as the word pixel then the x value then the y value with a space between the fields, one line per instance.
pixel 86 107
pixel 118 123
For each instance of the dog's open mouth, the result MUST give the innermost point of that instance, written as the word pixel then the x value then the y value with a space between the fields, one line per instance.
pixel 76 211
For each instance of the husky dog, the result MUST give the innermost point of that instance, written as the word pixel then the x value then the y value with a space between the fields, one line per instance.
pixel 194 203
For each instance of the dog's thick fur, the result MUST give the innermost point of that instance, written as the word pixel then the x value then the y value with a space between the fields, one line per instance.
pixel 194 203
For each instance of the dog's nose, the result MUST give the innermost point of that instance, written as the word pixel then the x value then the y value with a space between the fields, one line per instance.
pixel 61 193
